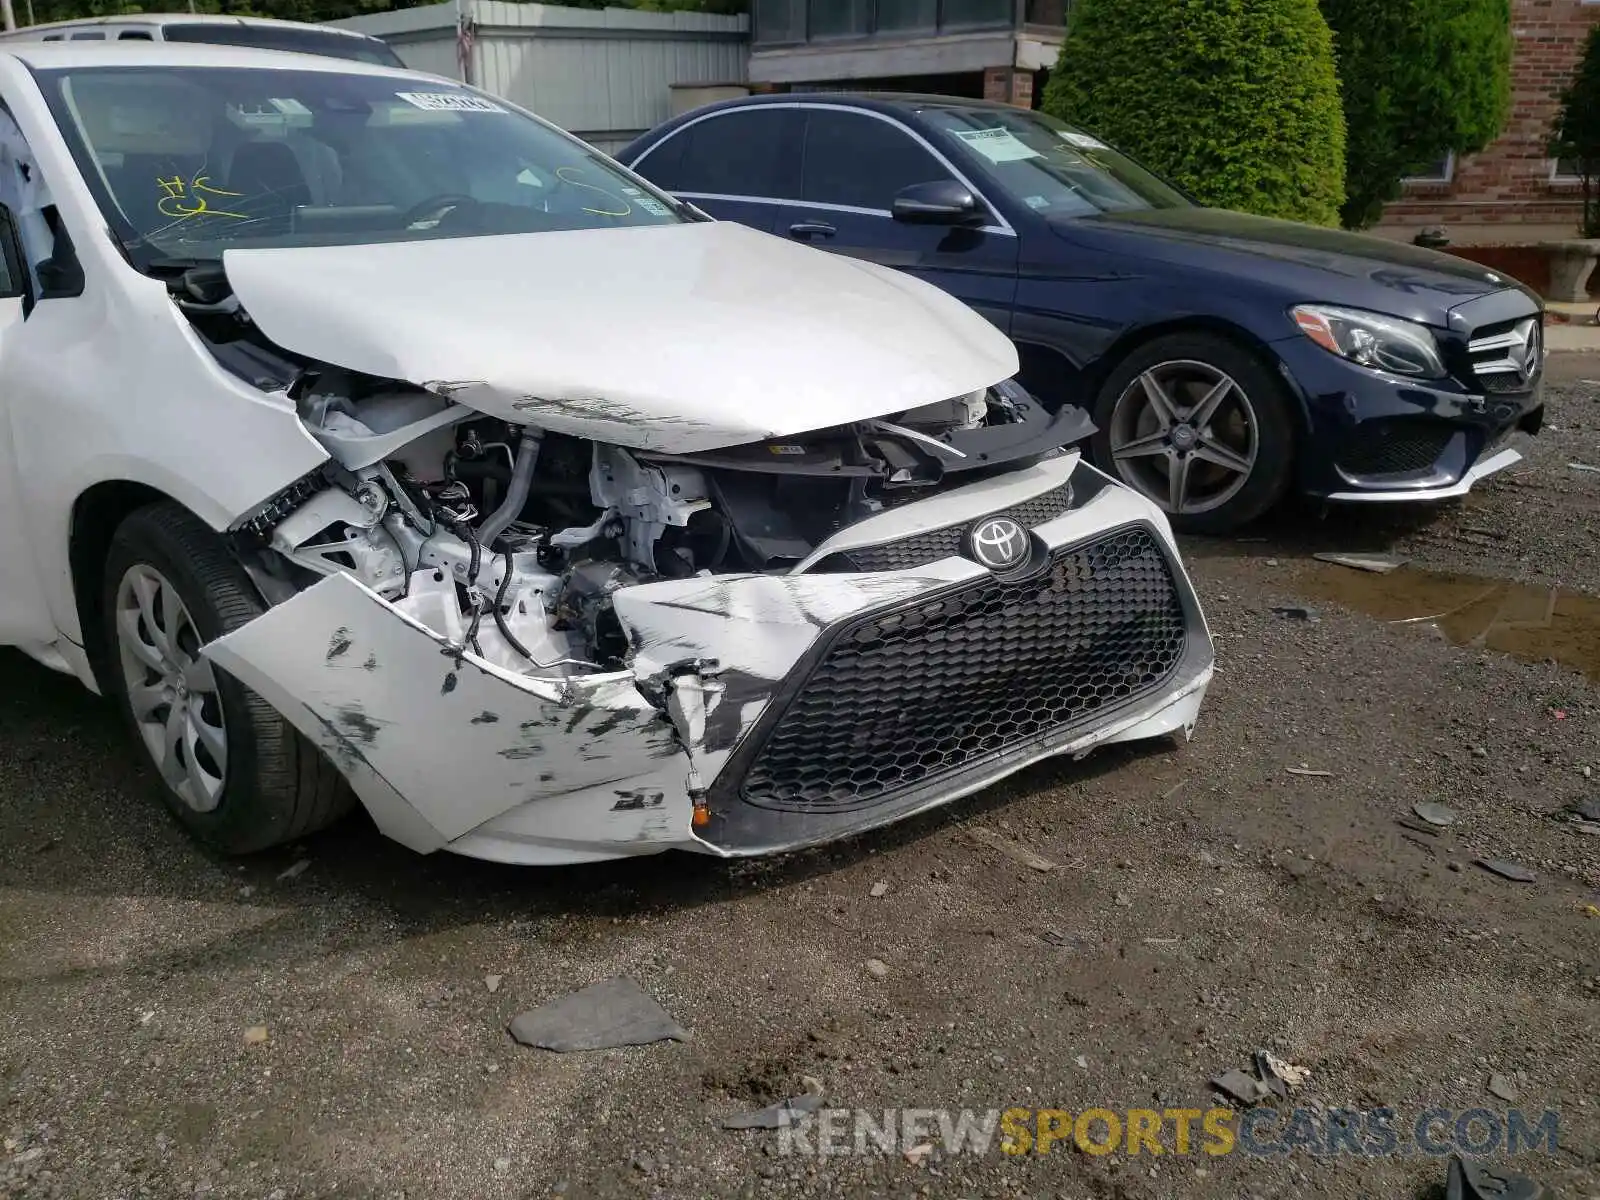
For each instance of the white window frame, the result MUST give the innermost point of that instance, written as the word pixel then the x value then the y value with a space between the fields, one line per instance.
pixel 1555 163
pixel 1449 167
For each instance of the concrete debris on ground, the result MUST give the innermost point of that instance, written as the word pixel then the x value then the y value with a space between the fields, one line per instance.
pixel 617 1012
pixel 1273 1070
pixel 1240 1087
pixel 1310 772
pixel 1015 850
pixel 1432 831
pixel 878 890
pixel 1502 1087
pixel 775 1116
pixel 1472 1180
pixel 1273 1076
pixel 877 968
pixel 1515 872
pixel 1382 564
pixel 295 871
pixel 492 982
pixel 1434 814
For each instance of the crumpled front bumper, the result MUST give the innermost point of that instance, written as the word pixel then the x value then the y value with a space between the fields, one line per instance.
pixel 448 751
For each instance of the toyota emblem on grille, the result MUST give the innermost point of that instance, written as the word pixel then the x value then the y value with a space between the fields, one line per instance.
pixel 998 543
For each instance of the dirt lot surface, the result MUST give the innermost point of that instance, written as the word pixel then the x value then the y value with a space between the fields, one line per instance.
pixel 1205 902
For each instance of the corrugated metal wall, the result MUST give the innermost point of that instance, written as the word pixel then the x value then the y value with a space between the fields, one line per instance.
pixel 437 56
pixel 603 74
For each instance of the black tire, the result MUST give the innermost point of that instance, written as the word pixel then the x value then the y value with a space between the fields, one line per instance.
pixel 276 786
pixel 1266 395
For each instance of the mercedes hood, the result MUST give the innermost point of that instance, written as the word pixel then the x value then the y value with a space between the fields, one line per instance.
pixel 675 338
pixel 1297 261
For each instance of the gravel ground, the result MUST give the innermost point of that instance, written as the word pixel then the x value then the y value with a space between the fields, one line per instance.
pixel 1206 902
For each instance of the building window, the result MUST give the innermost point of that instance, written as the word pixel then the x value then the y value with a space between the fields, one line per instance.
pixel 1441 170
pixel 1565 170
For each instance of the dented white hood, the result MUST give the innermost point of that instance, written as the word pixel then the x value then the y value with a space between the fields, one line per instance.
pixel 671 337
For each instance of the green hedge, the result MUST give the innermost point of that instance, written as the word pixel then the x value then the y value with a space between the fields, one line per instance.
pixel 1234 100
pixel 1420 79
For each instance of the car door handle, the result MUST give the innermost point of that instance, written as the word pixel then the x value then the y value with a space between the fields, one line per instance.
pixel 807 229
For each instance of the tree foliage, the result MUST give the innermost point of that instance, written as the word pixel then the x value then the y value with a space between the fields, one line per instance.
pixel 1419 79
pixel 1234 100
pixel 1576 133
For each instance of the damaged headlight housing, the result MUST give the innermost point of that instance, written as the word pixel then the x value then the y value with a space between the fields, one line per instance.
pixel 1372 339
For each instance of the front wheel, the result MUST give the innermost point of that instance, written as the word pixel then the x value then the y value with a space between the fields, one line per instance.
pixel 1201 427
pixel 231 770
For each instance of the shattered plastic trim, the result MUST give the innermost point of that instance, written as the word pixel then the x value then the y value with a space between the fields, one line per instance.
pixel 549 770
pixel 435 741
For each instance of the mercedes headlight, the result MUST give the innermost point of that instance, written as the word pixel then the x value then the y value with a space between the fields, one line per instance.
pixel 1371 339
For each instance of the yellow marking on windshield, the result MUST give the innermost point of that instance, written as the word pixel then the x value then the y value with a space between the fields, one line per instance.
pixel 597 212
pixel 181 199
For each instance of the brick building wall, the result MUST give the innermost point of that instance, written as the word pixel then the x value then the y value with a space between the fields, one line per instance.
pixel 1509 183
pixel 1009 85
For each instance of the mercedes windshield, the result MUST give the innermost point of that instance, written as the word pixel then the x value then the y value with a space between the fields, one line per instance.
pixel 1049 166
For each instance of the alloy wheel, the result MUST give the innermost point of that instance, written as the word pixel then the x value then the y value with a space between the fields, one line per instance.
pixel 171 690
pixel 1184 433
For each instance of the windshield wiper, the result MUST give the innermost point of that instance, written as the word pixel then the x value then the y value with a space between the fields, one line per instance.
pixel 687 210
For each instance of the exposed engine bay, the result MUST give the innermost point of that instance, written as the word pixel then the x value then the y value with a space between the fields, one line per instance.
pixel 697 588
pixel 510 540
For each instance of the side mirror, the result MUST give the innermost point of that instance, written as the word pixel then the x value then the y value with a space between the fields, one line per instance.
pixel 61 274
pixel 59 278
pixel 939 202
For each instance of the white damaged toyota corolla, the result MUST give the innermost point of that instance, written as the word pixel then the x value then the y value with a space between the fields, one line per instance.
pixel 364 437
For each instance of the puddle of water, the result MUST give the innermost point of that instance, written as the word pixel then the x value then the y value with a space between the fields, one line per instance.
pixel 1531 623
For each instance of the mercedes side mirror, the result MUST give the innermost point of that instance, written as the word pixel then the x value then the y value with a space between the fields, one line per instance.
pixel 939 202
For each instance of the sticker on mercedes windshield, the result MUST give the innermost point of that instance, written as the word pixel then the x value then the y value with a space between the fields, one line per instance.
pixel 449 102
pixel 1082 140
pixel 996 144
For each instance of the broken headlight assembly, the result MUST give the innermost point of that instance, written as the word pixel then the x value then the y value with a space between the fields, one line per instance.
pixel 1372 340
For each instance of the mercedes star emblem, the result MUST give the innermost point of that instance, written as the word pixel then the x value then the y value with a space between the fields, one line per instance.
pixel 1530 357
pixel 998 543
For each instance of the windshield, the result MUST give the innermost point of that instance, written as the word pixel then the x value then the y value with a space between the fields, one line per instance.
pixel 1051 167
pixel 276 37
pixel 187 162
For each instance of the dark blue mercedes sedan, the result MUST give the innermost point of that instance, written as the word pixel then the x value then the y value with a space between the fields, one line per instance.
pixel 1226 359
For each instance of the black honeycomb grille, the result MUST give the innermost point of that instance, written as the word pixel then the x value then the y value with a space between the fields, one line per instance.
pixel 936 544
pixel 1501 382
pixel 905 696
pixel 1402 446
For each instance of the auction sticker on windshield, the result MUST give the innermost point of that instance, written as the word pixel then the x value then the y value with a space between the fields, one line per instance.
pixel 1082 140
pixel 997 145
pixel 449 102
